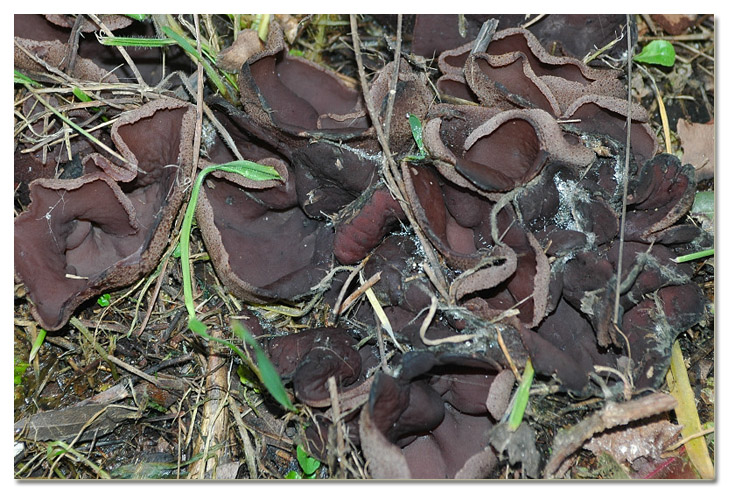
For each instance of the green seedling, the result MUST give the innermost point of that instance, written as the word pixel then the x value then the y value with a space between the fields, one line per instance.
pixel 417 131
pixel 521 397
pixel 250 170
pixel 37 344
pixel 657 52
pixel 137 17
pixel 265 371
pixel 308 465
pixel 104 300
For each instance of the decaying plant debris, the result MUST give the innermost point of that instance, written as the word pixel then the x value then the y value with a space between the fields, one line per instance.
pixel 455 198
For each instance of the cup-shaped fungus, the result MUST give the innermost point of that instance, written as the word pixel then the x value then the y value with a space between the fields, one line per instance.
pixel 81 237
pixel 433 419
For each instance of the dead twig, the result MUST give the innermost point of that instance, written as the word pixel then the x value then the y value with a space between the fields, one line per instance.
pixel 627 157
pixel 364 286
pixel 122 50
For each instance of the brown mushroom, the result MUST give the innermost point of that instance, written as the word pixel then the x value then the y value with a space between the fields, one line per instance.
pixel 81 237
pixel 424 424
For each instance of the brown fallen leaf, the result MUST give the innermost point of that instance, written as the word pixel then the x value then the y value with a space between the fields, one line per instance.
pixel 698 144
pixel 674 24
pixel 95 420
pixel 613 414
pixel 627 444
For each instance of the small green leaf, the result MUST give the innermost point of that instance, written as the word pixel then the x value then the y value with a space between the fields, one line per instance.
pixel 19 368
pixel 522 396
pixel 104 300
pixel 704 204
pixel 417 131
pixel 658 52
pixel 308 464
pixel 37 344
pixel 293 475
pixel 137 17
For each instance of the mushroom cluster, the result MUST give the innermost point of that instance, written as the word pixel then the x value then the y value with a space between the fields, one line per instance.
pixel 520 198
pixel 106 226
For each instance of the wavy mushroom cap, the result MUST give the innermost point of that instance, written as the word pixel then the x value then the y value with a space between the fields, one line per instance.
pixel 109 227
pixel 432 421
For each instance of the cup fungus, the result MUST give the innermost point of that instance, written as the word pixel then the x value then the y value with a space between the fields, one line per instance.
pixel 432 419
pixel 520 197
pixel 106 229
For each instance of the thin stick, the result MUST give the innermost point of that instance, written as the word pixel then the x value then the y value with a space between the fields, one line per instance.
pixel 534 20
pixel 619 264
pixel 359 291
pixel 454 339
pixel 153 297
pixel 124 53
pixel 199 102
pixel 390 169
pixel 394 81
pixel 336 310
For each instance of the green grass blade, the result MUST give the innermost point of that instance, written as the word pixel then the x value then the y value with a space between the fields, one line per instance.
pixel 188 47
pixel 522 396
pixel 136 42
pixel 37 344
pixel 267 372
pixel 20 78
pixel 250 170
pixel 694 256
pixel 78 93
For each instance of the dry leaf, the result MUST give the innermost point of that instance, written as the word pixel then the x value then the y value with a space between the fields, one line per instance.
pixel 674 24
pixel 627 444
pixel 698 143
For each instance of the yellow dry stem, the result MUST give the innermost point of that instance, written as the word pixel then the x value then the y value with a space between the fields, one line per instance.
pixel 687 416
